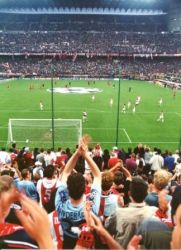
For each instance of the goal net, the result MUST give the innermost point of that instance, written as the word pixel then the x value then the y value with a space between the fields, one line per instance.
pixel 38 132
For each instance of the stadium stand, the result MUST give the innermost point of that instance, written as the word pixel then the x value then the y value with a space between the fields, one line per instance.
pixel 90 42
pixel 138 68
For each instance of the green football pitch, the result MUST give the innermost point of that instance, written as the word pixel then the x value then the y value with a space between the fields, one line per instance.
pixel 17 101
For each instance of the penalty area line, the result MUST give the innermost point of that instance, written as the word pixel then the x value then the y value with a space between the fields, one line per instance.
pixel 178 114
pixel 127 135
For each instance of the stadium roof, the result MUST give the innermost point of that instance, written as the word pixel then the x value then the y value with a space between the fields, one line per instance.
pixel 84 11
pixel 143 4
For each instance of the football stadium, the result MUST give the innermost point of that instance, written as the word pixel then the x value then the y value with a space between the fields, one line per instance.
pixel 90 124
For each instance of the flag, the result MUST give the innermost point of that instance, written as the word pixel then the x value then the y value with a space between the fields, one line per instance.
pixel 74 57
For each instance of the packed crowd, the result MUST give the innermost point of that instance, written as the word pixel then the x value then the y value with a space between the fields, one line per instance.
pixel 108 25
pixel 90 42
pixel 69 22
pixel 90 198
pixel 134 68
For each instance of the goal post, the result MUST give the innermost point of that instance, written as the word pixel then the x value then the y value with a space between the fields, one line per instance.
pixel 38 132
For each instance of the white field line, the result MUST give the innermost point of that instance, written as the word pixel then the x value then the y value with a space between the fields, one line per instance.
pixel 178 114
pixel 83 128
pixel 56 110
pixel 113 142
pixel 103 128
pixel 112 129
pixel 127 135
pixel 71 110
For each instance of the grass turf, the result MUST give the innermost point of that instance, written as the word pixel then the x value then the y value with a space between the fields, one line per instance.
pixel 17 101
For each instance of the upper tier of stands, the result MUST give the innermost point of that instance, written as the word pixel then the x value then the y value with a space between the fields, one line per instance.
pixel 90 42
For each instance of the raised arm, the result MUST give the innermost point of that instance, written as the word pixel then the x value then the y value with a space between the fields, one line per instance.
pixel 35 222
pixel 81 150
pixel 94 223
pixel 103 233
pixel 119 166
pixel 93 166
pixel 70 165
pixel 84 152
pixel 126 172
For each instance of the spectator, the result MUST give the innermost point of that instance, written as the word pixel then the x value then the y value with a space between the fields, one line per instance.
pixel 156 234
pixel 178 166
pixel 147 157
pixel 122 180
pixel 41 156
pixel 38 169
pixel 169 162
pixel 109 201
pixel 70 196
pixel 156 161
pixel 14 236
pixel 123 224
pixel 160 182
pixel 131 163
pixel 27 186
pixel 105 157
pixel 46 188
pixel 4 157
